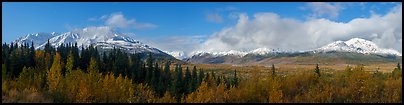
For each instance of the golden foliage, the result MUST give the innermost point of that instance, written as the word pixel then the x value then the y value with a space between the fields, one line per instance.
pixel 167 98
pixel 54 74
pixel 353 85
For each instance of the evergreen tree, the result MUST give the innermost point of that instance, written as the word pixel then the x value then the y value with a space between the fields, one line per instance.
pixel 317 70
pixel 187 81
pixel 5 55
pixel 142 73
pixel 16 62
pixel 84 58
pixel 104 63
pixel 149 73
pixel 194 80
pixel 167 76
pixel 213 74
pixel 218 79
pixel 178 83
pixel 32 55
pixel 76 57
pixel 273 70
pixel 47 47
pixel 173 88
pixel 235 78
pixel 201 76
pixel 111 62
pixel 397 73
pixel 154 79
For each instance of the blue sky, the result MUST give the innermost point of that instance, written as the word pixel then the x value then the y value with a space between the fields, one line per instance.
pixel 165 20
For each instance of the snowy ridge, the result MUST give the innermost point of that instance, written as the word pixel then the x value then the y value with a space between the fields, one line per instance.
pixel 103 37
pixel 177 54
pixel 258 51
pixel 37 38
pixel 357 45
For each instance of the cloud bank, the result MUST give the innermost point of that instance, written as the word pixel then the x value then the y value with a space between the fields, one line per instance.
pixel 273 31
pixel 118 20
pixel 184 43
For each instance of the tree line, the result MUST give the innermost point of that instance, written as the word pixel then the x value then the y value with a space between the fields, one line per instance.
pixel 52 64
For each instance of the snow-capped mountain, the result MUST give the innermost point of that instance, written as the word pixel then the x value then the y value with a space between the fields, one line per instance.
pixel 177 54
pixel 101 37
pixel 357 45
pixel 351 50
pixel 36 38
pixel 258 51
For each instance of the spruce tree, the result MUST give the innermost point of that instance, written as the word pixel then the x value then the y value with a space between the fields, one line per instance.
pixel 76 57
pixel 194 80
pixel 150 68
pixel 187 80
pixel 201 76
pixel 32 55
pixel 273 70
pixel 317 70
pixel 179 87
pixel 167 75
pixel 235 79
pixel 47 47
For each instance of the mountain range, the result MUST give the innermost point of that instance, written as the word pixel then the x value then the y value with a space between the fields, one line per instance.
pixel 106 38
pixel 354 50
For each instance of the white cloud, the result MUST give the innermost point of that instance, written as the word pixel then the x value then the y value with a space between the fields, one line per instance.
pixel 103 17
pixel 321 9
pixel 215 17
pixel 175 43
pixel 118 20
pixel 272 31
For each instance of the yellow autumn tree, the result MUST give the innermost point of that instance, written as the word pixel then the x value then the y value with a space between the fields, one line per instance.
pixel 221 94
pixel 70 81
pixel 24 80
pixel 54 74
pixel 167 98
pixel 84 94
pixel 106 88
pixel 93 77
pixel 202 95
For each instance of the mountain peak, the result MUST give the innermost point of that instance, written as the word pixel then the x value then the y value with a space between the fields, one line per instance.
pixel 357 45
pixel 103 37
pixel 258 51
pixel 177 54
